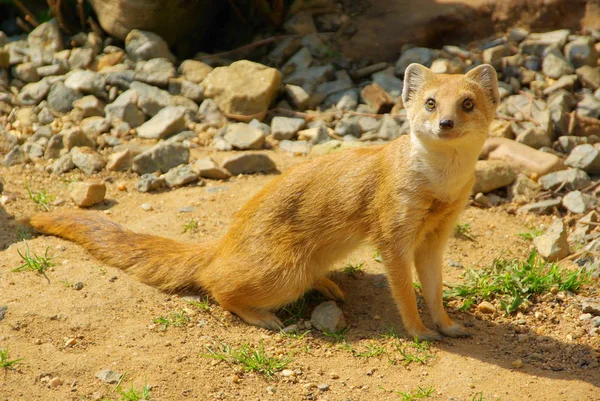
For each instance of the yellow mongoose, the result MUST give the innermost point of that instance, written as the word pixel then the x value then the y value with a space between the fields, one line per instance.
pixel 404 197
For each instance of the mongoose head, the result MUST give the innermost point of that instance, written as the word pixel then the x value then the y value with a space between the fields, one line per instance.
pixel 448 109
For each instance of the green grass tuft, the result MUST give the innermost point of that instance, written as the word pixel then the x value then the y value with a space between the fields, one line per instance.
pixel 34 262
pixel 5 362
pixel 531 233
pixel 354 270
pixel 134 395
pixel 40 198
pixel 177 319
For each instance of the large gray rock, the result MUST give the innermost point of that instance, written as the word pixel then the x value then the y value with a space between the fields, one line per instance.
pixel 125 108
pixel 582 52
pixel 553 245
pixel 286 127
pixel 149 182
pixel 144 45
pixel 419 55
pixel 74 137
pixel 61 98
pixel 585 157
pixel 87 160
pixel 578 202
pixel 157 71
pixel 555 66
pixel 26 72
pixel 572 178
pixel 243 137
pixel 491 175
pixel 169 121
pixel 207 168
pixel 150 98
pixel 45 40
pixel 179 176
pixel 328 317
pixel 249 163
pixel 86 82
pixel 62 165
pixel 161 157
pixel 589 106
pixel 541 207
pixel 34 93
pixel 194 71
pixel 536 43
pixel 81 58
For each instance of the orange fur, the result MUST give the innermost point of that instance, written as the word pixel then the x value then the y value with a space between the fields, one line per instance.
pixel 403 197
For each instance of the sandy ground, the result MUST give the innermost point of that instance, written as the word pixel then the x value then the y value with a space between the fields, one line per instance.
pixel 69 334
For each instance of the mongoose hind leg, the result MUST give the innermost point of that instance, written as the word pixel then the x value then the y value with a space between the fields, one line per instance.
pixel 328 288
pixel 260 318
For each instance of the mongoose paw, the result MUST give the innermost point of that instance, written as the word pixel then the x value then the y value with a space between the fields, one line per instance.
pixel 455 330
pixel 426 335
pixel 271 322
pixel 330 289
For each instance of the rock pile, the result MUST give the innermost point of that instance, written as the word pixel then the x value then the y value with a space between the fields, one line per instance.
pixel 84 103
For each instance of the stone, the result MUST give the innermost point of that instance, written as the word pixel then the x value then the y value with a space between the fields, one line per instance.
pixel 388 81
pixel 348 125
pixel 328 317
pixel 572 178
pixel 419 55
pixel 47 37
pixel 518 34
pixel 54 146
pixel 86 82
pixel 493 55
pixel 491 175
pixel 297 96
pixel 161 157
pixel 109 376
pixel 368 124
pixel 81 58
pixel 168 121
pixel 536 43
pixel 249 163
pixel 61 98
pixel 74 137
pixel 582 51
pixel 568 142
pixel 486 307
pixel 25 72
pixel 149 182
pixel 553 245
pixel 207 168
pixel 242 136
pixel 578 202
pixel 106 61
pixel 589 106
pixel 95 126
pixel 524 188
pixel 585 157
pixel 62 164
pixel 86 194
pixel 194 71
pixel 541 207
pixel 125 108
pixel 445 66
pixel 144 45
pixel 555 66
pixel 295 147
pixel 87 160
pixel 302 59
pixel 314 135
pixel 244 87
pixel 120 161
pixel 591 305
pixel 34 93
pixel 311 76
pixel 389 129
pixel 179 176
pixel 45 116
pixel 376 97
pixel 347 100
pixel 150 98
pixel 264 128
pixel 341 83
pixel 90 106
pixel 156 72
pixel 589 76
pixel 187 89
pixel 286 127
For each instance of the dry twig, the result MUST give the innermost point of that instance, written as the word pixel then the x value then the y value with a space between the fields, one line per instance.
pixel 29 17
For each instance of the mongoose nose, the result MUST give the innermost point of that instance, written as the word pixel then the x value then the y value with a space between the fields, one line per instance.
pixel 446 124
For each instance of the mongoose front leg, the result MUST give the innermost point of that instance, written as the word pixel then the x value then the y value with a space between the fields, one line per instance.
pixel 255 317
pixel 399 269
pixel 428 261
pixel 328 288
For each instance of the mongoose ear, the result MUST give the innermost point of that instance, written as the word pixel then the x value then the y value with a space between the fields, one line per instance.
pixel 414 76
pixel 485 76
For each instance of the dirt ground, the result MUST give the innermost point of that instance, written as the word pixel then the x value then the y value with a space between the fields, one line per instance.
pixel 69 334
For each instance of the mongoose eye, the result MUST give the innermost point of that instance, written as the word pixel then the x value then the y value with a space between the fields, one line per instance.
pixel 430 104
pixel 468 105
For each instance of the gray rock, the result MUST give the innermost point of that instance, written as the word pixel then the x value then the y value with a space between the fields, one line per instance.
pixel 328 317
pixel 314 135
pixel 125 108
pixel 534 137
pixel 553 245
pixel 3 310
pixel 150 98
pixel 493 55
pixel 302 59
pixel 346 100
pixel 34 150
pixel 93 127
pixel 45 40
pixel 585 157
pixel 14 157
pixel 161 157
pixel 194 71
pixel 45 116
pixel 109 376
pixel 311 76
pixel 81 58
pixel 388 81
pixel 367 124
pixel 568 143
pixel 419 55
pixel 243 137
pixel 572 178
pixel 157 72
pixel 578 202
pixel 541 207
pixel 264 128
pixel 86 82
pixel 149 182
pixel 589 76
pixel 341 83
pixel 61 98
pixel 207 168
pixel 54 146
pixel 168 121
pixel 179 176
pixel 492 174
pixel 120 161
pixel 286 127
pixel 389 129
pixel 90 106
pixel 34 93
pixel 87 160
pixel 536 43
pixel 25 72
pixel 555 66
pixel 589 106
pixel 297 96
pixel 518 34
pixel 143 45
pixel 582 52
pixel 249 163
pixel 524 188
pixel 86 194
pixel 62 164
pixel 591 305
pixel 74 137
pixel 566 82
pixel 348 125
pixel 295 147
pixel 187 89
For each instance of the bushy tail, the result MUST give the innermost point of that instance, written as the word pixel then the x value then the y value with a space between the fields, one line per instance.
pixel 157 261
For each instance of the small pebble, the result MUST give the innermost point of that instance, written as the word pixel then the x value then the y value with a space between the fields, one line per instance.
pixel 517 363
pixel 70 342
pixel 122 186
pixel 271 389
pixel 55 382
pixel 323 387
pixel 78 286
pixel 288 373
pixel 486 307
pixel 146 206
